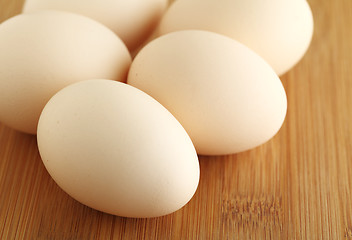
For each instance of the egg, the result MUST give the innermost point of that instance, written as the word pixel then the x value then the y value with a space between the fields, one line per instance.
pixel 40 53
pixel 131 20
pixel 226 96
pixel 279 31
pixel 115 149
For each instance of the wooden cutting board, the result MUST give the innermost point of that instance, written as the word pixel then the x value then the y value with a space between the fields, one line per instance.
pixel 296 186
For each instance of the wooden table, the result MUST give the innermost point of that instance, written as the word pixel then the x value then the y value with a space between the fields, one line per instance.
pixel 296 186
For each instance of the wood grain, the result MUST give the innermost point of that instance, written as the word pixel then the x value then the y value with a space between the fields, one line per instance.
pixel 296 186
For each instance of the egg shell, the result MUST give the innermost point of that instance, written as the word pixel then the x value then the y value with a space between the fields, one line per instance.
pixel 115 149
pixel 131 20
pixel 279 31
pixel 226 97
pixel 43 52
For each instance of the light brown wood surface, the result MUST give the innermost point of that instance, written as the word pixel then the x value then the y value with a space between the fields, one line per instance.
pixel 296 186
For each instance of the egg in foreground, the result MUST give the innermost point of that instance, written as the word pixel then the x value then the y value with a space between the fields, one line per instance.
pixel 226 96
pixel 115 149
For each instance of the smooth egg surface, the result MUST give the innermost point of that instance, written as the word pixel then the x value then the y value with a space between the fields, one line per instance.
pixel 115 149
pixel 42 52
pixel 226 96
pixel 280 31
pixel 131 20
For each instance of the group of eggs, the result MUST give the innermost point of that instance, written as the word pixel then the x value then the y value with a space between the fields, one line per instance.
pixel 206 82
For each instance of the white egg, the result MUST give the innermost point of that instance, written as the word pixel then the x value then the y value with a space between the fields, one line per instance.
pixel 42 52
pixel 131 20
pixel 226 97
pixel 280 31
pixel 115 149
